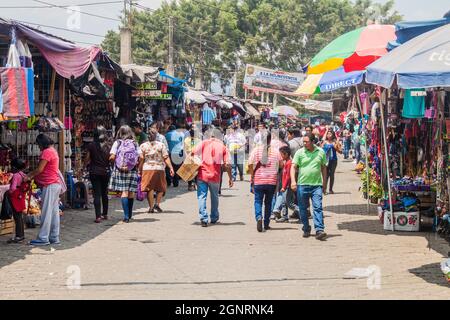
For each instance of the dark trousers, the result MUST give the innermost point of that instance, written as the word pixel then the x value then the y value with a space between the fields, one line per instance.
pixel 100 186
pixel 18 220
pixel 176 178
pixel 331 169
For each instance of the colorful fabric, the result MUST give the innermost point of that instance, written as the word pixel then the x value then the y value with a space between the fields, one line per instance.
pixel 124 181
pixel 15 92
pixel 154 154
pixel 208 115
pixel 414 103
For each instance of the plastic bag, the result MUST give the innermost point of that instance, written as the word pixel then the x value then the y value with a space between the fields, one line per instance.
pixel 140 195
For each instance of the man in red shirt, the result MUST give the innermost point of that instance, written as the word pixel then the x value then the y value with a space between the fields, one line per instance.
pixel 213 154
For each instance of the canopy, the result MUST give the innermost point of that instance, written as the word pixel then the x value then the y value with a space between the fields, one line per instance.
pixel 194 96
pixel 407 30
pixel 330 81
pixel 252 111
pixel 422 62
pixel 286 111
pixel 354 50
pixel 140 73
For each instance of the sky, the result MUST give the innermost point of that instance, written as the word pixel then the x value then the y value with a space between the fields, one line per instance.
pixel 57 17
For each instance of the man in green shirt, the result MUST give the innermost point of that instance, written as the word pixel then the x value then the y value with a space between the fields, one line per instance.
pixel 310 162
pixel 141 136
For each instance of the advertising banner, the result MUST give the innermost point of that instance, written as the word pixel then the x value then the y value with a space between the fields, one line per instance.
pixel 272 81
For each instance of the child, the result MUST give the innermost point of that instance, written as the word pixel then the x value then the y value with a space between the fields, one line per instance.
pixel 285 197
pixel 17 194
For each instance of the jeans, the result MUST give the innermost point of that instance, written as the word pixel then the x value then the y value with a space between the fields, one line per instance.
pixel 202 193
pixel 237 164
pixel 347 146
pixel 264 193
pixel 304 193
pixel 358 152
pixel 331 169
pixel 100 186
pixel 284 201
pixel 50 213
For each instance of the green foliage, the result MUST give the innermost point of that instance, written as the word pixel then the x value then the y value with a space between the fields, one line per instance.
pixel 220 36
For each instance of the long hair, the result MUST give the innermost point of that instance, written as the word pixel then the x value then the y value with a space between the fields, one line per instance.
pixel 266 140
pixel 101 139
pixel 125 133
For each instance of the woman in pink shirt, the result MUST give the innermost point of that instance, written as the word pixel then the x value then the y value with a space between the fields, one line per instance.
pixel 47 177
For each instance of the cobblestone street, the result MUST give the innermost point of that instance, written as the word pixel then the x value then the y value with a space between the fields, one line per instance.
pixel 170 256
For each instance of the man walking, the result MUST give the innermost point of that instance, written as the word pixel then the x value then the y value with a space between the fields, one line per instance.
pixel 312 175
pixel 213 154
pixel 235 142
pixel 175 140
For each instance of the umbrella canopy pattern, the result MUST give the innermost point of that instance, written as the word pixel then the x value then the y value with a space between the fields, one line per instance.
pixel 354 50
pixel 329 81
pixel 422 62
pixel 286 111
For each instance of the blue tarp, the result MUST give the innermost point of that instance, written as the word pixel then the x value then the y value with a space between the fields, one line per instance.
pixel 422 62
pixel 408 30
pixel 338 78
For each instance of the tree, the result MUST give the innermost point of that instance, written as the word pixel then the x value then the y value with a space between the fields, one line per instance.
pixel 213 38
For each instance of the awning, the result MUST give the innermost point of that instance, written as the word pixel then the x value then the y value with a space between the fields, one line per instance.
pixel 140 73
pixel 314 105
pixel 420 63
pixel 194 96
pixel 252 111
pixel 224 104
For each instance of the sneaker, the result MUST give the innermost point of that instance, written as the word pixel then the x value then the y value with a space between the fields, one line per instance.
pixel 55 242
pixel 277 214
pixel 98 220
pixel 151 210
pixel 320 235
pixel 157 208
pixel 259 226
pixel 204 224
pixel 215 221
pixel 126 220
pixel 15 240
pixel 38 242
pixel 241 178
pixel 282 220
pixel 306 234
pixel 267 228
pixel 294 215
pixel 104 217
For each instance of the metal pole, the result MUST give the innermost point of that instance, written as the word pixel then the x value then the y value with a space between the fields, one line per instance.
pixel 358 99
pixel 387 164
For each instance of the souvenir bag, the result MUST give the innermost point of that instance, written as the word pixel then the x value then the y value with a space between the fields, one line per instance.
pixel 127 155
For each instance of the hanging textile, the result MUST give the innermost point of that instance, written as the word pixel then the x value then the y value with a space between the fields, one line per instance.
pixel 15 92
pixel 414 103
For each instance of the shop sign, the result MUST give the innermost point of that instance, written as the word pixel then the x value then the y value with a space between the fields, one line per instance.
pixel 146 93
pixel 167 96
pixel 148 86
pixel 272 81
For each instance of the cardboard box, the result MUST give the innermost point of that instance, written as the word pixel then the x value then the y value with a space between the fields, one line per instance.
pixel 189 168
pixel 6 227
pixel 404 221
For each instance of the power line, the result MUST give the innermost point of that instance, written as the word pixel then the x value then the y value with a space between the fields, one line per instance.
pixel 59 28
pixel 65 6
pixel 140 6
pixel 86 13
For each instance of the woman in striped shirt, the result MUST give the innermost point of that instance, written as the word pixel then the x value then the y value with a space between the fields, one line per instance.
pixel 264 164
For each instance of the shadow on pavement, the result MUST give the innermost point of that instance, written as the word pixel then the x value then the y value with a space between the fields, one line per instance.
pixel 431 273
pixel 375 227
pixel 359 209
pixel 221 224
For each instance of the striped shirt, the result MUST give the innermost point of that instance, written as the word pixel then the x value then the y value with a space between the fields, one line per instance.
pixel 266 174
pixel 208 115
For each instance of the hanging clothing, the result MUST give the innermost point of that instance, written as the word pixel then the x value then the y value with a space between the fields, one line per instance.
pixel 15 92
pixel 414 103
pixel 208 115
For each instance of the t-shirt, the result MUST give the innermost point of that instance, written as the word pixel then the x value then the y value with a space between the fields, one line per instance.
pixel 175 140
pixel 295 145
pixel 99 160
pixel 141 138
pixel 50 174
pixel 266 173
pixel 213 154
pixel 154 154
pixel 310 166
pixel 330 151
pixel 414 103
pixel 16 180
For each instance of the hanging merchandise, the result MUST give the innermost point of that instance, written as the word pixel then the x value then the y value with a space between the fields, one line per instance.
pixel 15 92
pixel 414 103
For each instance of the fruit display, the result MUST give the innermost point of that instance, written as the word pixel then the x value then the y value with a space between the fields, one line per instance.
pixel 5 178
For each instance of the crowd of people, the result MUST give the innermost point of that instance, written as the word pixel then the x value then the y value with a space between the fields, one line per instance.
pixel 290 168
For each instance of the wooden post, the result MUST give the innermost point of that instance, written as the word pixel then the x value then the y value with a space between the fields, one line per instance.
pixel 61 115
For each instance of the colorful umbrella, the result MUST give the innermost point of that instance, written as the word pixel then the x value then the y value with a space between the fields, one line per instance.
pixel 329 81
pixel 355 50
pixel 286 111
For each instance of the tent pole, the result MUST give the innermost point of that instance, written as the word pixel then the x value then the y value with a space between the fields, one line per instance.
pixel 387 164
pixel 358 98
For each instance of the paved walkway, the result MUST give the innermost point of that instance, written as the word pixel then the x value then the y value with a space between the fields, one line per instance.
pixel 169 256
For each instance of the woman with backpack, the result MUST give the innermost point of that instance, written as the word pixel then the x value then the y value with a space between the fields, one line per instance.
pixel 125 154
pixel 97 159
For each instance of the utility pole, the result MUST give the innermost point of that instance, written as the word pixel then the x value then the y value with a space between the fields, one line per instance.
pixel 234 92
pixel 170 68
pixel 126 56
